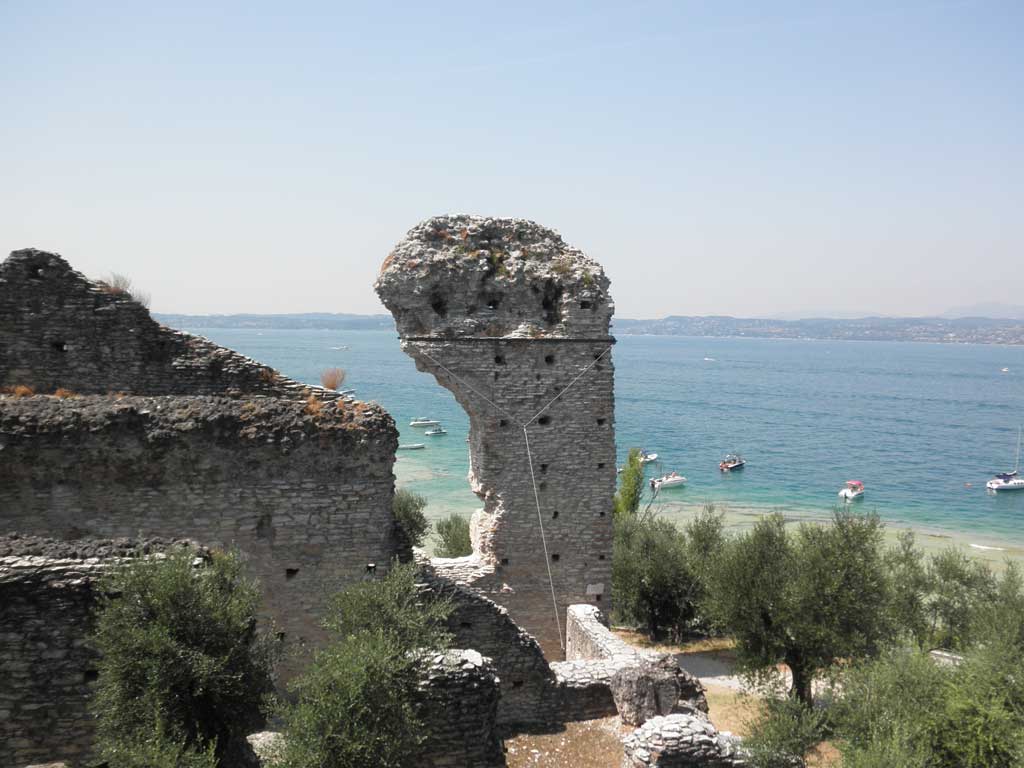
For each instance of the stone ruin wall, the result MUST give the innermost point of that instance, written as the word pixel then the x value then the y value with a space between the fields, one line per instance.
pixel 506 315
pixel 58 329
pixel 47 670
pixel 305 498
pixel 223 449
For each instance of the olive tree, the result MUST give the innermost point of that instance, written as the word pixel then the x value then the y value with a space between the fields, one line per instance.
pixel 803 598
pixel 184 675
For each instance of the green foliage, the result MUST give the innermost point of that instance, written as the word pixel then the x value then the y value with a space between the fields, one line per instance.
pixel 411 524
pixel 159 751
pixel 804 599
pixel 651 579
pixel 392 608
pixel 911 585
pixel 631 485
pixel 453 532
pixel 960 586
pixel 183 670
pixel 785 730
pixel 921 714
pixel 354 705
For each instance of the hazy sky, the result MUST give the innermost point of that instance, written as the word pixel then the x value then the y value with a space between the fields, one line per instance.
pixel 733 158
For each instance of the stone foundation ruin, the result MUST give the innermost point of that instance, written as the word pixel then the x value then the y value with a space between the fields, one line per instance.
pixel 137 430
pixel 515 323
pixel 155 432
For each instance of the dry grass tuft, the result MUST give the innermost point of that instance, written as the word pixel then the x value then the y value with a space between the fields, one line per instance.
pixel 314 405
pixel 64 394
pixel 119 285
pixel 268 375
pixel 20 390
pixel 332 378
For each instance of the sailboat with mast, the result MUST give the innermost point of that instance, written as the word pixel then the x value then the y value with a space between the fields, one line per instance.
pixel 1009 481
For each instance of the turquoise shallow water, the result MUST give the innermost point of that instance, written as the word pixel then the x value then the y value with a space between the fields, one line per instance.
pixel 915 422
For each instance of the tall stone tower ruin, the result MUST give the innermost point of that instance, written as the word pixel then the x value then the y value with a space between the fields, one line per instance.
pixel 516 324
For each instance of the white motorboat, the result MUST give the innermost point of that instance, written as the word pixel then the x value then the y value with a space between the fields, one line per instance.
pixel 435 431
pixel 732 462
pixel 1009 481
pixel 412 446
pixel 423 421
pixel 854 490
pixel 671 480
pixel 647 458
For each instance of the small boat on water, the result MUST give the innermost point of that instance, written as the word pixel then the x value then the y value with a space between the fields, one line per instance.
pixel 423 421
pixel 435 431
pixel 731 462
pixel 1009 481
pixel 854 490
pixel 671 480
pixel 412 446
pixel 647 458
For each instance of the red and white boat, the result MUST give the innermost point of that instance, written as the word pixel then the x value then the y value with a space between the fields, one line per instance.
pixel 854 490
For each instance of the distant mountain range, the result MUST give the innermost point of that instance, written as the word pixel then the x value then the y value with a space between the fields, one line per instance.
pixel 961 329
pixel 974 330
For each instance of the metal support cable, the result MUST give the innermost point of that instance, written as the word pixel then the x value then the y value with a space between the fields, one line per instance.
pixel 529 458
pixel 543 539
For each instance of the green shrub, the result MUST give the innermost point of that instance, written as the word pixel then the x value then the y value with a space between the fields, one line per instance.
pixel 960 587
pixel 652 582
pixel 354 706
pixel 631 485
pixel 911 585
pixel 453 532
pixel 183 669
pixel 904 704
pixel 410 522
pixel 784 730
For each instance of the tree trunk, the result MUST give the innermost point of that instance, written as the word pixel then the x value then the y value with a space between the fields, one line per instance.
pixel 802 677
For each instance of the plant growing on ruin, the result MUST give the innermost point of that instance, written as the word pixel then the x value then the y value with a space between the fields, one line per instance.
pixel 805 598
pixel 631 485
pixel 454 538
pixel 411 524
pixel 119 285
pixel 182 668
pixel 332 378
pixel 355 705
pixel 314 405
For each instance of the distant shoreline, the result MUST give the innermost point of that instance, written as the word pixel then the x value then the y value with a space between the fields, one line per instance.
pixel 928 330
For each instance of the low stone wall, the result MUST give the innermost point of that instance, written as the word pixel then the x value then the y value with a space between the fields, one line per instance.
pixel 47 670
pixel 639 680
pixel 527 681
pixel 459 705
pixel 305 495
pixel 679 741
pixel 587 637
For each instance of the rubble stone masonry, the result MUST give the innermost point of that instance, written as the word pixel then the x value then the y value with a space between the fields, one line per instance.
pixel 516 324
pixel 305 497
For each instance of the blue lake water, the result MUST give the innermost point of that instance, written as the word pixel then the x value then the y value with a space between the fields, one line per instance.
pixel 923 425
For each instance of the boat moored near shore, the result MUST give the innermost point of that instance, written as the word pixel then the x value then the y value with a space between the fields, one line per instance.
pixel 854 490
pixel 732 462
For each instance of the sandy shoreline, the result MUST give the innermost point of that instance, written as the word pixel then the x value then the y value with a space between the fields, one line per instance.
pixel 992 550
pixel 411 471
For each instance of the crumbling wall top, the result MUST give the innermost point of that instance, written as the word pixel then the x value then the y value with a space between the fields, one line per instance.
pixel 460 276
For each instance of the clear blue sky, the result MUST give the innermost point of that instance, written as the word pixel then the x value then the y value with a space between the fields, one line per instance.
pixel 734 158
